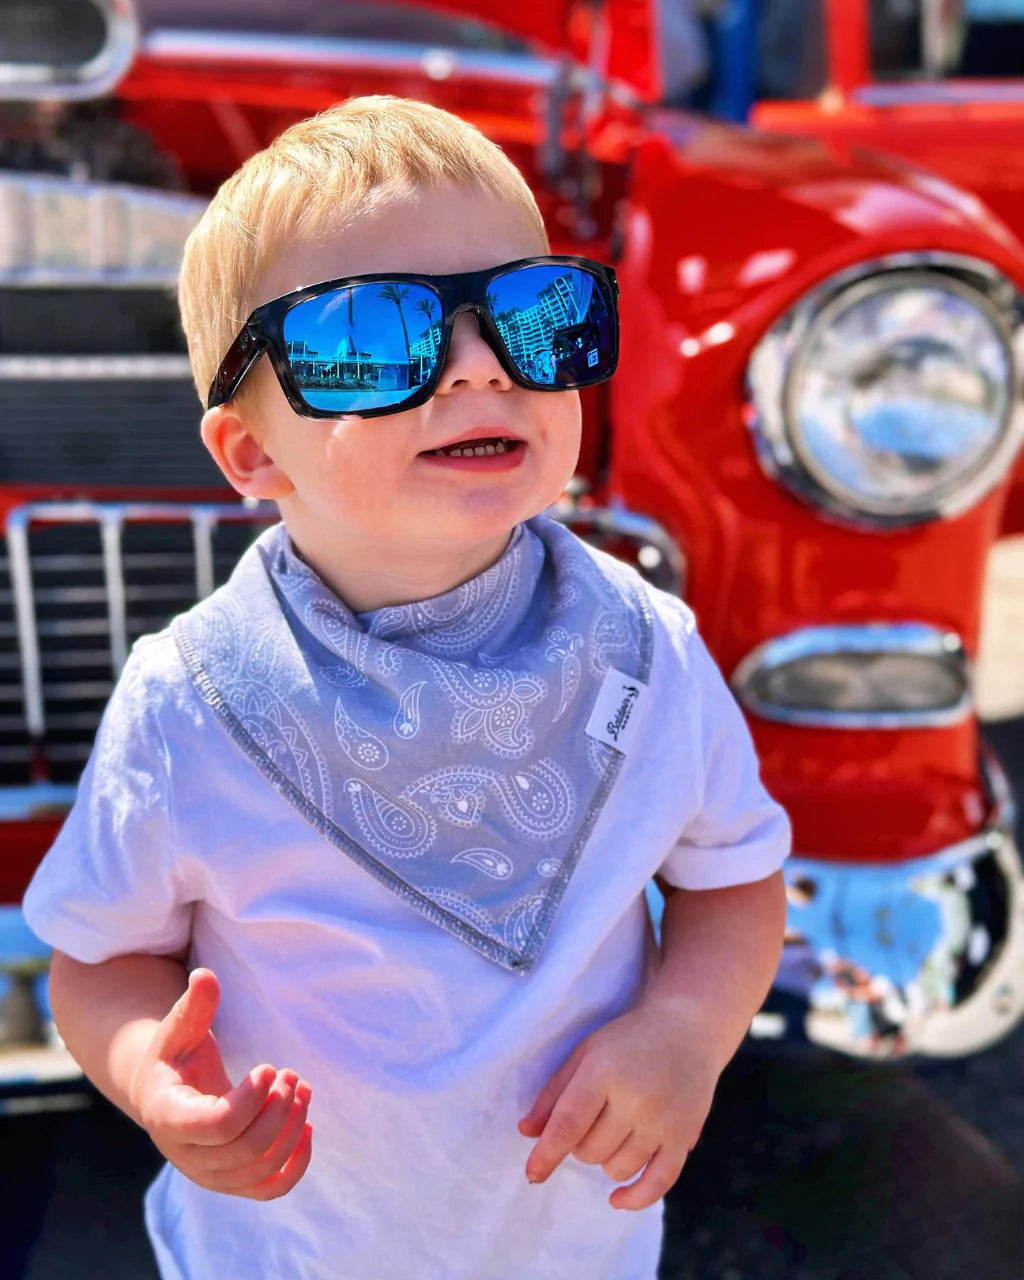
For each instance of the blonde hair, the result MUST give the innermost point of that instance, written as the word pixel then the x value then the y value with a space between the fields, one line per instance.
pixel 307 182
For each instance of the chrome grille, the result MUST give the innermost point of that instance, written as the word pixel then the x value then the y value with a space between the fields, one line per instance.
pixel 78 585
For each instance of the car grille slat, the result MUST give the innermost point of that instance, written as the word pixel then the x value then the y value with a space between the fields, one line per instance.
pixel 91 578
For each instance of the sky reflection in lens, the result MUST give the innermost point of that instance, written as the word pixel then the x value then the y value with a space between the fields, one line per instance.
pixel 365 347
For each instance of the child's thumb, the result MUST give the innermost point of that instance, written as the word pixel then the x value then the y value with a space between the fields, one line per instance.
pixel 190 1018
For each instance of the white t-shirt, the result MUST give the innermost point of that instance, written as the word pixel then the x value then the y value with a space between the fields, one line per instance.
pixel 422 1054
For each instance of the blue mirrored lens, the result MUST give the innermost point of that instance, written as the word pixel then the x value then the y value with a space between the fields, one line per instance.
pixel 558 323
pixel 366 347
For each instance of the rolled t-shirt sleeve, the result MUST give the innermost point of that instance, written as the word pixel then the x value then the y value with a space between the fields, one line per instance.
pixel 739 834
pixel 109 884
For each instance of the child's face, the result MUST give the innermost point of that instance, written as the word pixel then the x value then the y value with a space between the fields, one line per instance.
pixel 371 478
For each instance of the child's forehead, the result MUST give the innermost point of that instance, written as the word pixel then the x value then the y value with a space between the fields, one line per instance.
pixel 431 231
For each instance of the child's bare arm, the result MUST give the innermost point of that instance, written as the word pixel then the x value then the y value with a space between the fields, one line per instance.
pixel 140 1030
pixel 107 1014
pixel 635 1094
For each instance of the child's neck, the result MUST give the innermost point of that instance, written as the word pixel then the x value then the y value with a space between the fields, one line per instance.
pixel 369 576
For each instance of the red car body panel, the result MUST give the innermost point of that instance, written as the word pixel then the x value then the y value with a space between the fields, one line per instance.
pixel 963 133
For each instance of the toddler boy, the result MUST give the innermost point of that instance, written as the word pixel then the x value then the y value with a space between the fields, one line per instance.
pixel 382 809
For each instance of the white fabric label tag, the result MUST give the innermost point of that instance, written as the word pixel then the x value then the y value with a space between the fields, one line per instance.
pixel 618 710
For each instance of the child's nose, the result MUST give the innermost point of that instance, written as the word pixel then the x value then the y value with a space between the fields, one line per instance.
pixel 471 359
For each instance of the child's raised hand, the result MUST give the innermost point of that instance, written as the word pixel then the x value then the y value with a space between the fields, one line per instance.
pixel 251 1140
pixel 633 1095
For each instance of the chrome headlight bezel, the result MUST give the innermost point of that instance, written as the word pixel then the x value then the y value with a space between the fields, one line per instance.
pixel 778 441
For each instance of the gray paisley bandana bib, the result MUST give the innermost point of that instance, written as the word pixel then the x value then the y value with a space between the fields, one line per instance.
pixel 441 745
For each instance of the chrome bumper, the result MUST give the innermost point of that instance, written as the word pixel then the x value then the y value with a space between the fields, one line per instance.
pixel 926 957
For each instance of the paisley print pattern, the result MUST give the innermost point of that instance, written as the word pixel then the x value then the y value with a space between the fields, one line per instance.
pixel 539 801
pixel 521 922
pixel 492 862
pixel 327 622
pixel 435 743
pixel 609 636
pixel 599 755
pixel 393 827
pixel 562 645
pixel 407 718
pixel 287 741
pixel 459 622
pixel 361 747
pixel 456 794
pixel 493 706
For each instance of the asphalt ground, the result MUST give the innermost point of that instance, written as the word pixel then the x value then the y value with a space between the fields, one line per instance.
pixel 811 1167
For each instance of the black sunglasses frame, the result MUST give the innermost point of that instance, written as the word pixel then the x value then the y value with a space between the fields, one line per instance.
pixel 465 291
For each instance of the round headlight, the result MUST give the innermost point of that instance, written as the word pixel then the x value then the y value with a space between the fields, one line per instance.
pixel 893 399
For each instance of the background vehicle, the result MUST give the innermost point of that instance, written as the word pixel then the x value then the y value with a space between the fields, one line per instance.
pixel 812 434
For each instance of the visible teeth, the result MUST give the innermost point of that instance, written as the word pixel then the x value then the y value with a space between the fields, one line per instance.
pixel 455 453
pixel 500 447
pixel 489 449
pixel 480 450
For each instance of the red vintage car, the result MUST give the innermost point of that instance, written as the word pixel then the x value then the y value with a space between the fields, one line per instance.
pixel 812 434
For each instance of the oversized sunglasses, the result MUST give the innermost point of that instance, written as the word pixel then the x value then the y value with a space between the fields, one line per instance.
pixel 376 344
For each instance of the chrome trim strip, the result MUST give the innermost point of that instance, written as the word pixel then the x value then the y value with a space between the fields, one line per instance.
pixel 870 637
pixel 20 81
pixel 95 369
pixel 436 62
pixel 770 365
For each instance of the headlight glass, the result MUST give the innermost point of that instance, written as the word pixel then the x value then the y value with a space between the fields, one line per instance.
pixel 900 391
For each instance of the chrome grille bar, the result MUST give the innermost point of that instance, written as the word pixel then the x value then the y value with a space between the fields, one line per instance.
pixel 110 519
pixel 25 622
pixel 113 574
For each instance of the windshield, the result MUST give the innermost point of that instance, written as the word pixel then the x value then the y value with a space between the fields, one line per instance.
pixel 947 39
pixel 347 19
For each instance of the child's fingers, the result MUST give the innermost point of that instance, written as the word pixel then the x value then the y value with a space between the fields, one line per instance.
pixel 536 1118
pixel 657 1178
pixel 188 1021
pixel 298 1162
pixel 207 1121
pixel 627 1161
pixel 275 1156
pixel 571 1118
pixel 603 1138
pixel 256 1137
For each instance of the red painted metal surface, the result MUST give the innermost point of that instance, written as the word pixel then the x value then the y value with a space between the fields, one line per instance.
pixel 716 232
pixel 701 275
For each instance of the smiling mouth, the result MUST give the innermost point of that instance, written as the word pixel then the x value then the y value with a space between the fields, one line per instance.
pixel 485 447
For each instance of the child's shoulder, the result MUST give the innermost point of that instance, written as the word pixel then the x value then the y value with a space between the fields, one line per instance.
pixel 154 687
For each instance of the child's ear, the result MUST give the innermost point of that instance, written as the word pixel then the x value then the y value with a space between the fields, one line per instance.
pixel 247 467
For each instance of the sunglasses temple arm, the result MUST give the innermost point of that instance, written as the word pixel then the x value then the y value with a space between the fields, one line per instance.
pixel 239 359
